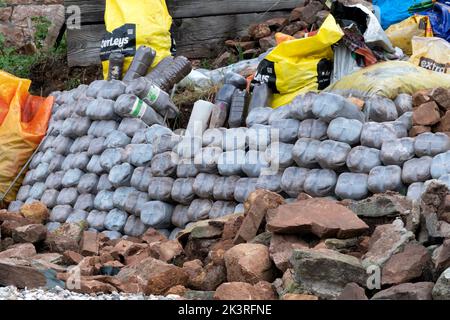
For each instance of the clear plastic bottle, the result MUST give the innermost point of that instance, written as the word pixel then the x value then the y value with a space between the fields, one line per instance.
pixel 128 105
pixel 142 61
pixel 151 94
pixel 261 96
pixel 233 82
pixel 115 70
pixel 168 75
pixel 238 109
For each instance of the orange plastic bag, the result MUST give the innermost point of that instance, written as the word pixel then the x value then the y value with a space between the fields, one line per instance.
pixel 23 124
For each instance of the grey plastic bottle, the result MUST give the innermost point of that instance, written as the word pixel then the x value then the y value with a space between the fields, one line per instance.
pixel 388 178
pixel 142 61
pixel 128 105
pixel 151 94
pixel 115 70
pixel 261 96
pixel 352 186
pixel 233 82
pixel 168 75
pixel 320 183
pixel 363 159
pixel 238 109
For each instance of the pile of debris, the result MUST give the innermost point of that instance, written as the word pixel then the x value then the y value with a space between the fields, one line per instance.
pixel 384 247
pixel 306 18
pixel 431 111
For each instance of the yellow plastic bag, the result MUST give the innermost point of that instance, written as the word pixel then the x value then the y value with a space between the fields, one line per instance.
pixel 401 33
pixel 300 65
pixel 134 23
pixel 23 123
pixel 431 53
pixel 388 79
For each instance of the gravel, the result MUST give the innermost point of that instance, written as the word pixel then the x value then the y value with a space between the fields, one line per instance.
pixel 12 293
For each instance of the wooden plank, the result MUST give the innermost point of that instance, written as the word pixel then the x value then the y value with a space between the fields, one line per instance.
pixel 83 47
pixel 92 11
pixel 202 37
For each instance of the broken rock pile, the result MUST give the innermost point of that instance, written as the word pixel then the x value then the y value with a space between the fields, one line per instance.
pixel 383 247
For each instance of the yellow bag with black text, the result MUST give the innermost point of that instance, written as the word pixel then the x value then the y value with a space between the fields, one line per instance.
pixel 300 65
pixel 431 53
pixel 402 33
pixel 134 23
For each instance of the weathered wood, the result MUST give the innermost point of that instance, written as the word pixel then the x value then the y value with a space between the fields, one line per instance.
pixel 196 37
pixel 92 11
pixel 83 46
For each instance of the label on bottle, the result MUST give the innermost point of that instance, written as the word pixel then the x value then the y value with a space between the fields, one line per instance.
pixel 139 109
pixel 121 40
pixel 153 94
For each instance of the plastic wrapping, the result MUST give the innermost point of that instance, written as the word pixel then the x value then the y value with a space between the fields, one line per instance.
pixel 72 178
pixel 235 139
pixel 85 202
pixel 60 213
pixel 112 157
pixel 332 154
pixel 199 209
pixel 293 180
pixel 417 170
pixel 160 188
pixel 271 182
pixel 120 175
pixel 121 195
pixel 112 90
pixel 382 179
pixel 189 147
pixel 221 209
pixel 49 198
pixel 204 185
pixel 15 206
pixel 61 145
pixel 280 113
pixel 397 152
pixel 56 163
pixel 381 109
pixel 258 116
pixel 139 136
pixel 440 165
pixel 117 139
pixel 164 164
pixel 67 196
pixel 403 103
pixel 431 144
pixel 180 218
pixel 363 159
pixel 115 220
pixel 255 163
pixel 415 191
pixel 352 186
pixel 320 183
pixel 28 179
pixel 130 126
pixel 186 168
pixel 259 137
pixel 54 180
pixel 97 146
pixel 37 190
pixel 141 178
pixel 164 143
pixel 112 235
pixel 104 200
pixel 287 129
pixel 374 134
pixel 36 160
pixel 76 127
pixel 41 172
pixel 407 120
pixel 244 187
pixel 345 130
pixel 230 163
pixel 101 109
pixel 134 227
pixel 104 183
pixel 313 129
pixel 96 219
pixel 157 214
pixel 81 144
pixel 279 155
pixel 94 88
pixel 22 194
pixel 206 160
pixel 47 144
pixel 77 216
pixel 102 128
pixel 329 106
pixel 224 188
pixel 183 191
pixel 213 137
pixel 302 106
pixel 94 165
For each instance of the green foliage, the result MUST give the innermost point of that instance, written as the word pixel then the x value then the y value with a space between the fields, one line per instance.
pixel 3 4
pixel 42 24
pixel 15 63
